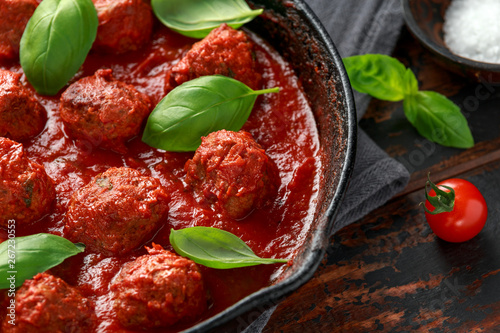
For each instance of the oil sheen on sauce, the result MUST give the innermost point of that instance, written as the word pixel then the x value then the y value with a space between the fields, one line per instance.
pixel 282 123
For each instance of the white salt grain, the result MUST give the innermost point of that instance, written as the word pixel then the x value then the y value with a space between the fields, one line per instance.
pixel 472 29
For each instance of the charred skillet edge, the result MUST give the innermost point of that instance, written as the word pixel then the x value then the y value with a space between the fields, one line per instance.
pixel 338 89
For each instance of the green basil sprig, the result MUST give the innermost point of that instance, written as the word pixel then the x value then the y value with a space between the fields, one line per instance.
pixel 379 76
pixel 216 248
pixel 56 42
pixel 195 18
pixel 21 258
pixel 197 108
pixel 433 115
pixel 438 119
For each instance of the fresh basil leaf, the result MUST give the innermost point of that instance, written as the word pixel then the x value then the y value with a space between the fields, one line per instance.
pixel 56 42
pixel 197 108
pixel 24 257
pixel 216 248
pixel 438 119
pixel 195 18
pixel 411 83
pixel 380 76
pixel 434 116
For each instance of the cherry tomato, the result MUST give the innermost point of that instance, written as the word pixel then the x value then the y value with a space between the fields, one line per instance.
pixel 468 214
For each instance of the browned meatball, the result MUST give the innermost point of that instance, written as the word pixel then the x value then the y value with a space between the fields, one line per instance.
pixel 224 51
pixel 116 211
pixel 158 290
pixel 26 192
pixel 104 111
pixel 46 304
pixel 232 171
pixel 14 16
pixel 21 115
pixel 124 25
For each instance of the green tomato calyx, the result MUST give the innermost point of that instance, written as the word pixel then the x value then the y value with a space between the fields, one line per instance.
pixel 443 201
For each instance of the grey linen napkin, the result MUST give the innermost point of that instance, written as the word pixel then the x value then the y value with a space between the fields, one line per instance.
pixel 360 27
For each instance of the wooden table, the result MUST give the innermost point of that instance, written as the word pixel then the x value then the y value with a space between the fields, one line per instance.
pixel 389 272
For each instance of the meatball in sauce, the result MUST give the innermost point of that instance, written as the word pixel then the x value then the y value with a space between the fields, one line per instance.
pixel 158 289
pixel 117 211
pixel 47 304
pixel 233 172
pixel 124 25
pixel 15 14
pixel 107 199
pixel 104 111
pixel 21 115
pixel 225 51
pixel 26 191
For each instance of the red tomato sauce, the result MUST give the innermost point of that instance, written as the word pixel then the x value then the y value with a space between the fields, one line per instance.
pixel 282 123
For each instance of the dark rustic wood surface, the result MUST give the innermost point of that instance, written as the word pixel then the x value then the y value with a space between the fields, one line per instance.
pixel 389 272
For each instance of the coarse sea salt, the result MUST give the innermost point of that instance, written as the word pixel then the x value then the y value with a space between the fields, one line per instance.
pixel 472 29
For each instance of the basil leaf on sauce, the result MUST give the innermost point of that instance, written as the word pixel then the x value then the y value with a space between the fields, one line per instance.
pixel 21 258
pixel 197 108
pixel 195 18
pixel 438 119
pixel 56 42
pixel 216 248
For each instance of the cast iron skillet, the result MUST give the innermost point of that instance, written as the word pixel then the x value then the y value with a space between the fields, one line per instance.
pixel 295 31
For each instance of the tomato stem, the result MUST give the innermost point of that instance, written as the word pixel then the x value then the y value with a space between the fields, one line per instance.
pixel 443 201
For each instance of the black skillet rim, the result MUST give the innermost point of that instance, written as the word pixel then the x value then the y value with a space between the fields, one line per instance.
pixel 319 242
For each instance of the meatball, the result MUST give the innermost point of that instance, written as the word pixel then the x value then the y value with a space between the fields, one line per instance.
pixel 116 211
pixel 21 115
pixel 157 290
pixel 15 16
pixel 224 51
pixel 124 25
pixel 26 192
pixel 104 111
pixel 232 171
pixel 48 304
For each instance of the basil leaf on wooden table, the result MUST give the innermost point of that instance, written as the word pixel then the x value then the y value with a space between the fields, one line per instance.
pixel 197 108
pixel 438 119
pixel 380 76
pixel 433 115
pixel 24 257
pixel 216 248
pixel 56 42
pixel 195 18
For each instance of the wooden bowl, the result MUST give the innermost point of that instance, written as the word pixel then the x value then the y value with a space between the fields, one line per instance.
pixel 425 19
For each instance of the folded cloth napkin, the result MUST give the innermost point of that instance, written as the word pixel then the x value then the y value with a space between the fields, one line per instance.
pixel 360 27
